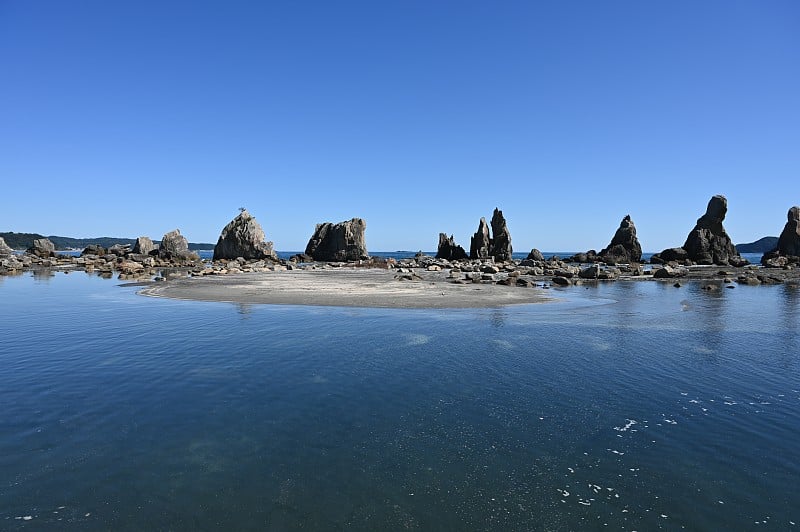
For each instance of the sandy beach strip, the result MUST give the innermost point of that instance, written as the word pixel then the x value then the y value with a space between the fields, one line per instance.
pixel 346 288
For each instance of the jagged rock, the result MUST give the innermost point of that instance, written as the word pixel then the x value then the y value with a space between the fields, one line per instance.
pixel 624 246
pixel 788 248
pixel 448 249
pixel 480 245
pixel 94 249
pixel 708 243
pixel 43 247
pixel 343 241
pixel 119 250
pixel 243 237
pixel 536 255
pixel 5 249
pixel 175 246
pixel 143 246
pixel 501 238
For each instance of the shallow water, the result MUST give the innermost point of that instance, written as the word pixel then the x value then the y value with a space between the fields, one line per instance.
pixel 630 405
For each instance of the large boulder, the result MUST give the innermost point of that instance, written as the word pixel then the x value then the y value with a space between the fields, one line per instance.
pixel 42 247
pixel 5 249
pixel 708 243
pixel 448 249
pixel 624 246
pixel 338 242
pixel 243 237
pixel 480 244
pixel 143 246
pixel 788 248
pixel 174 246
pixel 501 238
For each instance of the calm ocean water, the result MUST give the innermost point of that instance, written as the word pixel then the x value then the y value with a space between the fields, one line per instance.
pixel 626 406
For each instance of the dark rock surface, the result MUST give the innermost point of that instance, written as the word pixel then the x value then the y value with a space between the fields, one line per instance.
pixel 787 250
pixel 144 246
pixel 343 241
pixel 536 255
pixel 624 246
pixel 243 237
pixel 94 249
pixel 501 238
pixel 448 249
pixel 480 244
pixel 42 247
pixel 707 243
pixel 174 246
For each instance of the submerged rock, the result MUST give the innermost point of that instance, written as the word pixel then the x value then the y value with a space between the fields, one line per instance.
pixel 624 246
pixel 448 249
pixel 243 237
pixel 343 241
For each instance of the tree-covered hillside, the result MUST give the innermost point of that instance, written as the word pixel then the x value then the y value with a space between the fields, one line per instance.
pixel 25 240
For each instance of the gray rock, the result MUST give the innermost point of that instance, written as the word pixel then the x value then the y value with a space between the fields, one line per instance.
pixel 624 246
pixel 174 246
pixel 448 249
pixel 668 272
pixel 94 249
pixel 119 250
pixel 536 255
pixel 5 249
pixel 480 245
pixel 143 246
pixel 243 237
pixel 43 247
pixel 788 248
pixel 343 241
pixel 592 272
pixel 673 255
pixel 708 243
pixel 501 238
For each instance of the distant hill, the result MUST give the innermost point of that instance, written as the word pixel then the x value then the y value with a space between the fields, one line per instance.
pixel 25 240
pixel 762 245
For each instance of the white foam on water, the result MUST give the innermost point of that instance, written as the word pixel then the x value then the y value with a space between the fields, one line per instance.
pixel 628 424
pixel 417 339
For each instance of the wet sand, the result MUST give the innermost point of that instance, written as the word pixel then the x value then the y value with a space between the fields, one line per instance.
pixel 347 288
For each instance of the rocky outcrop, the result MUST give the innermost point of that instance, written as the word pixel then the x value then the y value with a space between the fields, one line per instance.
pixel 5 249
pixel 501 238
pixel 94 250
pixel 788 248
pixel 43 247
pixel 243 237
pixel 498 245
pixel 144 246
pixel 707 243
pixel 624 246
pixel 448 249
pixel 174 246
pixel 536 255
pixel 338 242
pixel 480 244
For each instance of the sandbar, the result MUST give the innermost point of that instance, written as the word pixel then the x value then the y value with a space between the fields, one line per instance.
pixel 346 287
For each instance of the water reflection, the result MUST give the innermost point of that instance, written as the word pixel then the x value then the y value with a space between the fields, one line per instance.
pixel 43 275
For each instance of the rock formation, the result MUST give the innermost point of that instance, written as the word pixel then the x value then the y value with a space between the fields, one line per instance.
pixel 5 249
pixel 448 249
pixel 338 242
pixel 175 246
pixel 501 242
pixel 93 249
pixel 788 248
pixel 480 244
pixel 624 247
pixel 42 247
pixel 143 246
pixel 536 255
pixel 707 243
pixel 243 237
pixel 498 246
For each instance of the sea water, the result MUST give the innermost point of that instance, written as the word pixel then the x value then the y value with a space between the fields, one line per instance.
pixel 631 405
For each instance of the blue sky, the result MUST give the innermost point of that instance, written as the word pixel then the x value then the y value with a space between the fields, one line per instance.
pixel 134 118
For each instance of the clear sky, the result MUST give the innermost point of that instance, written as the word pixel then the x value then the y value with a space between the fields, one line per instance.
pixel 135 118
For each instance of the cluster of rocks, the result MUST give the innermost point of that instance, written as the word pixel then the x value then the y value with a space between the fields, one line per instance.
pixel 483 244
pixel 787 252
